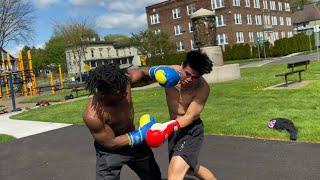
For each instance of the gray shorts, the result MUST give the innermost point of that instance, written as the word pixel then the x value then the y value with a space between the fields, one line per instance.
pixel 140 159
pixel 187 143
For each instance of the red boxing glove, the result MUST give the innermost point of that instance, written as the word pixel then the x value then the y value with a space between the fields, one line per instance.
pixel 158 133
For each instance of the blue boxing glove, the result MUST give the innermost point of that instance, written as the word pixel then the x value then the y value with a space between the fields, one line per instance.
pixel 136 137
pixel 166 76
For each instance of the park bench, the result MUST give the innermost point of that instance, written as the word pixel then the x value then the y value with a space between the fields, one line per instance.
pixel 293 70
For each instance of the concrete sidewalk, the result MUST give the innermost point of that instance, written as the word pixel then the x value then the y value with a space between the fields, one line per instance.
pixel 21 128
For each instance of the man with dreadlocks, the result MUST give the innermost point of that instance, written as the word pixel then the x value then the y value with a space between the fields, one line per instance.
pixel 185 131
pixel 109 116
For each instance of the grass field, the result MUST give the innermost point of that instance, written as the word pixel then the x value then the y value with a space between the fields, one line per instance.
pixel 5 138
pixel 239 108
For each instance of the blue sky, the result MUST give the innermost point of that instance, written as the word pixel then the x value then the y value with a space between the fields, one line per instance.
pixel 105 16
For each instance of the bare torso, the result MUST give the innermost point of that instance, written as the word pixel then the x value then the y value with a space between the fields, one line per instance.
pixel 119 117
pixel 179 98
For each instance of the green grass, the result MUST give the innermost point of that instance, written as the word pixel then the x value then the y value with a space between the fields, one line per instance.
pixel 242 61
pixel 5 138
pixel 58 96
pixel 238 108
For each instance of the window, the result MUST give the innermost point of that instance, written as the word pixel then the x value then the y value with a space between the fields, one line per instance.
pixel 190 27
pixel 192 45
pixel 289 34
pixel 246 3
pixel 100 52
pixel 180 46
pixel 273 5
pixel 283 34
pixel 220 20
pixel 217 4
pixel 265 4
pixel 287 7
pixel 222 39
pixel 236 2
pixel 237 18
pixel 177 30
pixel 280 6
pixel 92 53
pixel 256 4
pixel 191 9
pixel 259 34
pixel 239 36
pixel 281 21
pixel 258 20
pixel 157 31
pixel 276 35
pixel 249 19
pixel 288 20
pixel 176 13
pixel 93 64
pixel 267 19
pixel 274 20
pixel 154 18
pixel 251 38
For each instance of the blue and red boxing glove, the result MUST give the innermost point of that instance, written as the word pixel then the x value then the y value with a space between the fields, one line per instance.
pixel 166 76
pixel 158 133
pixel 136 137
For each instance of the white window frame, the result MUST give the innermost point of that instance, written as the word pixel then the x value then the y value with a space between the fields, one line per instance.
pixel 192 45
pixel 220 17
pixel 283 34
pixel 251 36
pixel 258 19
pixel 157 31
pixel 259 34
pixel 246 3
pixel 266 19
pixel 249 19
pixel 265 4
pixel 287 7
pixel 235 2
pixel 237 18
pixel 216 4
pixel 281 21
pixel 177 29
pixel 273 5
pixel 289 34
pixel 190 27
pixel 256 4
pixel 176 13
pixel 274 20
pixel 276 35
pixel 180 46
pixel 191 8
pixel 222 39
pixel 280 6
pixel 154 18
pixel 239 37
pixel 288 21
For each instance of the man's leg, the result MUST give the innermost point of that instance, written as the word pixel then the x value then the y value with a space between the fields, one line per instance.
pixel 177 168
pixel 144 164
pixel 108 167
pixel 202 172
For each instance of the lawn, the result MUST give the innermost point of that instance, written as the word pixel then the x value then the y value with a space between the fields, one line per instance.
pixel 239 108
pixel 5 138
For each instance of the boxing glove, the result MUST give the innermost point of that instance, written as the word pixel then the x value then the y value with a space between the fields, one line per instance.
pixel 158 133
pixel 136 137
pixel 166 76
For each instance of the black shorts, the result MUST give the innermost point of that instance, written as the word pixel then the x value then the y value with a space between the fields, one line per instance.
pixel 187 142
pixel 139 158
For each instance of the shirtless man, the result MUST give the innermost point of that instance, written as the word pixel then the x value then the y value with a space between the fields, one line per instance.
pixel 109 116
pixel 185 102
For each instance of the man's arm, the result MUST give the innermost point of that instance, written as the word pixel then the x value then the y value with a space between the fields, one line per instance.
pixel 104 135
pixel 195 108
pixel 140 77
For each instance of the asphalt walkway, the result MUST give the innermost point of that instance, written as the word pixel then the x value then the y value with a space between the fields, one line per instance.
pixel 68 153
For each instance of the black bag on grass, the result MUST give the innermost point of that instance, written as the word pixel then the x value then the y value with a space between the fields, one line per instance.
pixel 283 123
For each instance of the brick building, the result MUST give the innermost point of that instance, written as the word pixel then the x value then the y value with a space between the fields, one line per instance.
pixel 237 21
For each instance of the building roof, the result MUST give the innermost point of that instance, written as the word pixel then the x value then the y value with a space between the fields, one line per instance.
pixel 5 52
pixel 310 12
pixel 158 4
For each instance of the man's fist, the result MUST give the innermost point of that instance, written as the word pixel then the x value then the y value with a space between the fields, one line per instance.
pixel 138 136
pixel 158 133
pixel 166 76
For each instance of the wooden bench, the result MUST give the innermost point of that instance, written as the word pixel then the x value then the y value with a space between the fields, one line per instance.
pixel 292 66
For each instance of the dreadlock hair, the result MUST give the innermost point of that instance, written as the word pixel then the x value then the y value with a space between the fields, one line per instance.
pixel 198 61
pixel 107 79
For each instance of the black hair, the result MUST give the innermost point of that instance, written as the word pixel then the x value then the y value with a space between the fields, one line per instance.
pixel 198 61
pixel 107 79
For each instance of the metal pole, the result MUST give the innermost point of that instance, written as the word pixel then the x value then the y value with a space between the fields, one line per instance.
pixel 10 83
pixel 264 50
pixel 259 50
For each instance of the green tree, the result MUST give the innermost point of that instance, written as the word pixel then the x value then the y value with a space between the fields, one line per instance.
pixel 149 43
pixel 118 39
pixel 55 51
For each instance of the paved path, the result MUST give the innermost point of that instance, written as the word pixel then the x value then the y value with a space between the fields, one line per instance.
pixel 67 154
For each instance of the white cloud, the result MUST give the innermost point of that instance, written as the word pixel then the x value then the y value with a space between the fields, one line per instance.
pixel 122 20
pixel 83 2
pixel 40 45
pixel 129 5
pixel 44 3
